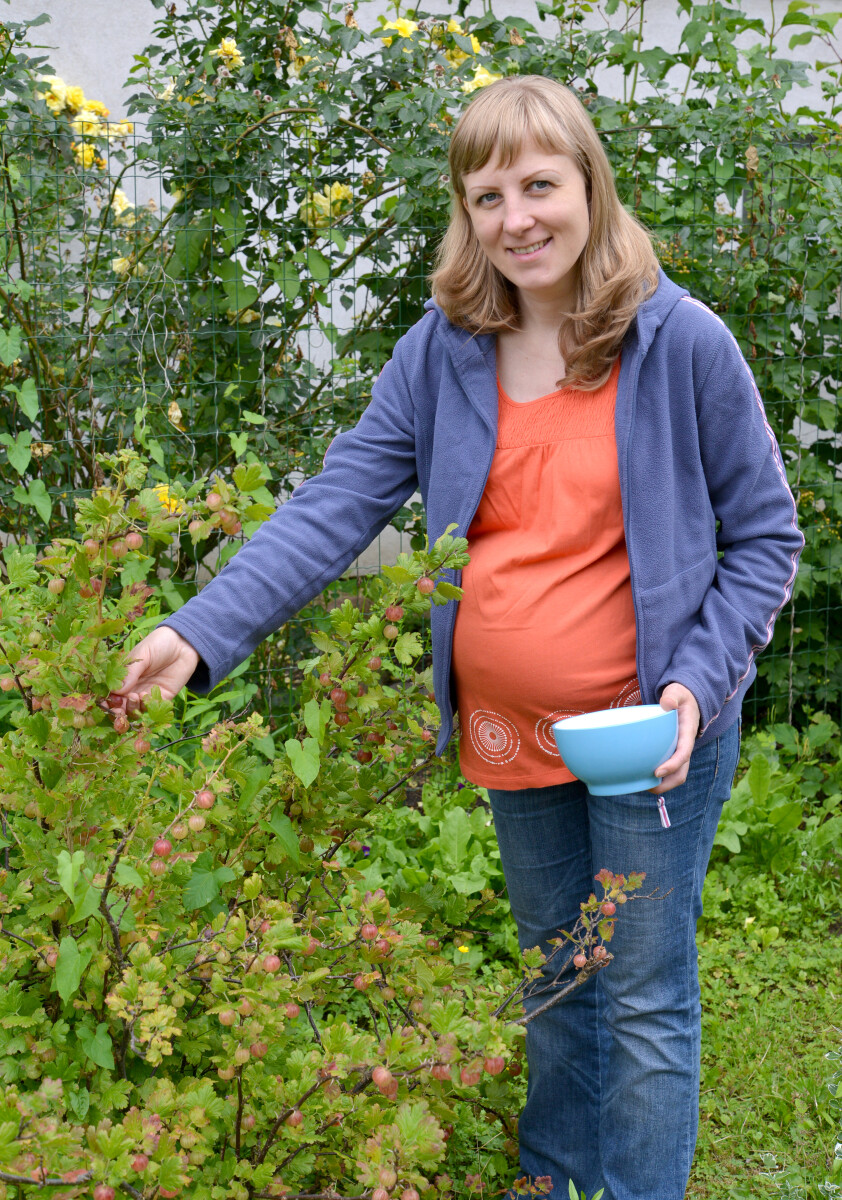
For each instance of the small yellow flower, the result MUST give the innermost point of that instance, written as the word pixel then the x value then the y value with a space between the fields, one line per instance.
pixel 403 27
pixel 84 154
pixel 88 124
pixel 482 78
pixel 41 449
pixel 243 318
pixel 127 266
pixel 74 99
pixel 97 107
pixel 229 53
pixel 120 202
pixel 321 208
pixel 118 129
pixel 297 61
pixel 463 949
pixel 56 93
pixel 167 93
pixel 168 501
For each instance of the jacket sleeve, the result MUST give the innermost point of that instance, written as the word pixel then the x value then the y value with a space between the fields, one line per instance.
pixel 368 473
pixel 758 538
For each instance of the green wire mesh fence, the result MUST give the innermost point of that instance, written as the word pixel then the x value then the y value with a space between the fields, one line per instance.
pixel 233 317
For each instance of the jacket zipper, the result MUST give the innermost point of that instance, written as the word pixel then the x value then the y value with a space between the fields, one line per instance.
pixel 626 496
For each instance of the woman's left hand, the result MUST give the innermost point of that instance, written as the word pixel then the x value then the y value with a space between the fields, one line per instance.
pixel 674 771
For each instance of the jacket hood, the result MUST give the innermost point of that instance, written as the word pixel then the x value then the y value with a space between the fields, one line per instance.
pixel 650 316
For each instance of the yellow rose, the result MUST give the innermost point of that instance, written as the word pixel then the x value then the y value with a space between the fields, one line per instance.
pixel 118 129
pixel 88 124
pixel 96 106
pixel 404 28
pixel 481 78
pixel 229 53
pixel 127 266
pixel 84 154
pixel 171 503
pixel 55 95
pixel 74 99
pixel 120 202
pixel 321 208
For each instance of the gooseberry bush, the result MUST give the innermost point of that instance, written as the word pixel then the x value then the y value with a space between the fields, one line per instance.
pixel 199 997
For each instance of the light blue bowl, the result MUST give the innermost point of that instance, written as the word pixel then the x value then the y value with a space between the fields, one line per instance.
pixel 616 750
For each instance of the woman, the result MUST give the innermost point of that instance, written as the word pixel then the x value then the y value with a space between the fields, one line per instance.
pixel 599 437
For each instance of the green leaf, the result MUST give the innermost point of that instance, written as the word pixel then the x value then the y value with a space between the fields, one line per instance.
pixel 203 885
pixel 571 1191
pixel 28 399
pixel 256 781
pixel 239 443
pixel 304 758
pixel 37 497
pixel 448 590
pixel 407 647
pixel 317 718
pixel 759 776
pixel 248 477
pixel 729 839
pixel 127 876
pixel 9 345
pixel 68 870
pixel 70 967
pixel 79 1101
pixel 20 565
pixel 283 829
pixel 18 450
pixel 97 1045
pixel 786 817
pixel 318 266
pixel 86 906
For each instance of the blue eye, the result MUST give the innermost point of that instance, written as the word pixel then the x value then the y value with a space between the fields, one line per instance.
pixel 541 183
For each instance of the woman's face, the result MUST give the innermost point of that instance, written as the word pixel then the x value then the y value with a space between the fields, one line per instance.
pixel 532 220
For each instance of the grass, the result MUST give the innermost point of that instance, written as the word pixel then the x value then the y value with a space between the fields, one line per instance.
pixel 772 1009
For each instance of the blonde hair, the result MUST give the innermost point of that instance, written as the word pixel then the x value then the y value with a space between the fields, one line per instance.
pixel 618 268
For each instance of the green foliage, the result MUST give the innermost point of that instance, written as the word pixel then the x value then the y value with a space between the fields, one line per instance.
pixel 196 977
pixel 302 157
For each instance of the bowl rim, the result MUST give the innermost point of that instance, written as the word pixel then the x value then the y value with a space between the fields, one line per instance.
pixel 612 718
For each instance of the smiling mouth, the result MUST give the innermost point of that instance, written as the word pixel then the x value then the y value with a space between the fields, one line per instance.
pixel 523 250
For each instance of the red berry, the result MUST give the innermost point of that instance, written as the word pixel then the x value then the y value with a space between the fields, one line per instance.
pixel 374 736
pixel 369 931
pixel 380 1194
pixel 608 907
pixel 196 822
pixel 494 1064
pixel 375 663
pixel 140 1162
pixel 295 1117
pixel 205 798
pixel 227 1017
pixel 162 848
pixel 311 947
pixel 118 548
pixel 432 943
pixel 390 631
pixel 52 958
pixel 579 961
pixel 360 983
pixel 471 1074
pixel 259 1049
pixel 325 679
pixel 394 612
pixel 441 1071
pixel 364 756
pixel 387 1177
pixel 141 746
pixel 248 1121
pixel 158 866
pixel 134 540
pixel 271 964
pixel 121 723
pixel 382 946
pixel 426 585
pixel 339 697
pixel 291 1009
pixel 599 952
pixel 409 1194
pixel 246 1008
pixel 55 587
pixel 341 718
pixel 213 501
pixel 103 1192
pixel 382 1078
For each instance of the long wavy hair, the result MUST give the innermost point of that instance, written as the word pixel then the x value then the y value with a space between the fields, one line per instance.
pixel 618 268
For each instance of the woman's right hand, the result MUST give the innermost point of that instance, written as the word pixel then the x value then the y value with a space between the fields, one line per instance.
pixel 163 659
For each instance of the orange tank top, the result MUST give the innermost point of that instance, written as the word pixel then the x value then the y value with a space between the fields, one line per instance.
pixel 545 627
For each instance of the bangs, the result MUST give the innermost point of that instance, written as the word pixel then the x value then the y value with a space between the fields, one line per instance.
pixel 503 120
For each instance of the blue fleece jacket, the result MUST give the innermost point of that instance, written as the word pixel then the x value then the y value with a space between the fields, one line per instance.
pixel 710 522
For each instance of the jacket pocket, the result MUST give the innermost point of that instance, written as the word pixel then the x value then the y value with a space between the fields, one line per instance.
pixel 670 611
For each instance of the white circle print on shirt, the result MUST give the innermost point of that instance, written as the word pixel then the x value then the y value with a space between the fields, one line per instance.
pixel 544 728
pixel 493 736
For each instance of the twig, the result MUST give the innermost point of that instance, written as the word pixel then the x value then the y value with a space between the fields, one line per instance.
pixel 260 1155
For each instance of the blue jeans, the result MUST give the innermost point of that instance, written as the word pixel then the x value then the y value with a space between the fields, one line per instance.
pixel 613 1091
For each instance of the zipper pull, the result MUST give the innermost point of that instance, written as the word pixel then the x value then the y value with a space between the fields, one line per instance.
pixel 662 812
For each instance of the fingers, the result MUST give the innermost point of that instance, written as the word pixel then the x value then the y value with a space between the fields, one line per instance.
pixel 673 772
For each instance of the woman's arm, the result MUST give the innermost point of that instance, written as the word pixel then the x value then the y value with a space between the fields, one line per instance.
pixel 369 472
pixel 759 538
